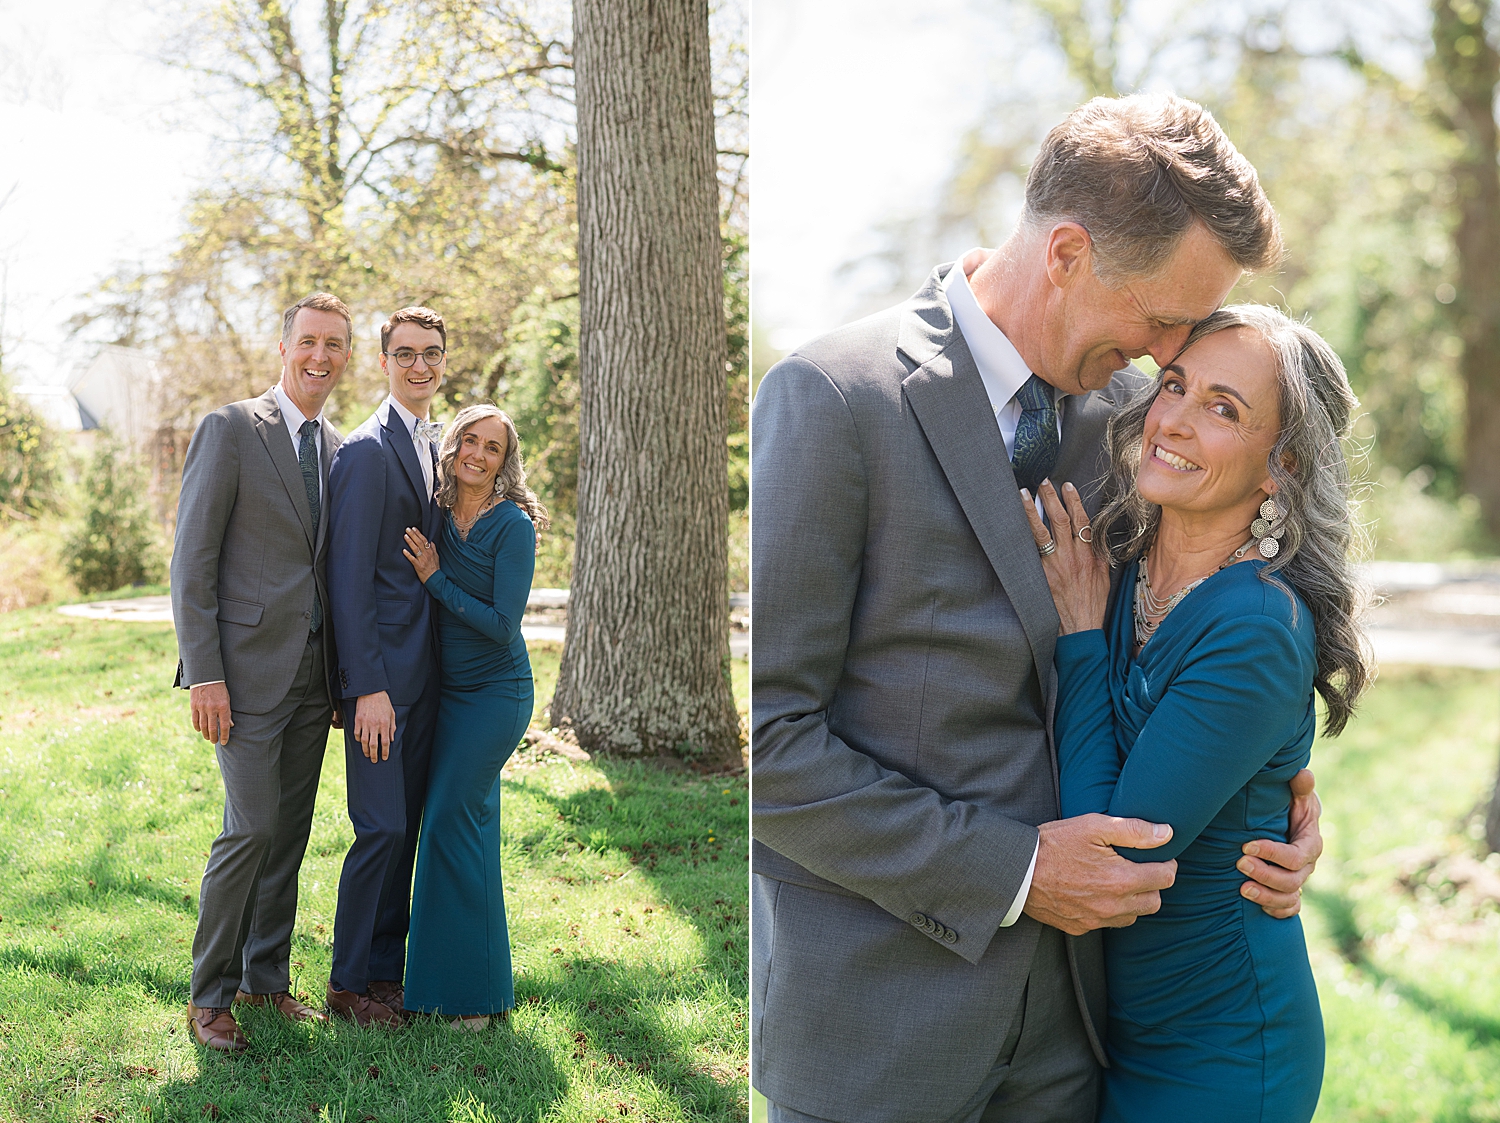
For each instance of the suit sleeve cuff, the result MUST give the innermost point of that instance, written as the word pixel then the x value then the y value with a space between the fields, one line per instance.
pixel 212 681
pixel 1020 902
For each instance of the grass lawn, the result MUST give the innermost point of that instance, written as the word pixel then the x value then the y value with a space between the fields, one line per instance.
pixel 625 888
pixel 1407 961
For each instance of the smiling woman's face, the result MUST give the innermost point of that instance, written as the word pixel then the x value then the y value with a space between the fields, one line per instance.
pixel 481 451
pixel 1211 428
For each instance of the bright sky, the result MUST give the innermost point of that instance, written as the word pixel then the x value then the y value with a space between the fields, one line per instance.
pixel 858 107
pixel 856 110
pixel 97 163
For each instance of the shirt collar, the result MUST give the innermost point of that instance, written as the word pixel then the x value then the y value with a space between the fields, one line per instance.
pixel 291 414
pixel 407 415
pixel 1001 368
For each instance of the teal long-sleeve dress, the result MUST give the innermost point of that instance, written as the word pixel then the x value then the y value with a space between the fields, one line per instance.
pixel 458 952
pixel 1213 1013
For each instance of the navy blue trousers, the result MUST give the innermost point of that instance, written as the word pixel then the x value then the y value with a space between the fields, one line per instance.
pixel 385 806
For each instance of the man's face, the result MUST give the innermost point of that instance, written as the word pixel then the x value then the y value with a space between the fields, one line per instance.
pixel 314 358
pixel 415 385
pixel 1094 330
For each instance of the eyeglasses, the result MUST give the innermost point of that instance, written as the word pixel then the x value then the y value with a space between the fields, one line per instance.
pixel 405 356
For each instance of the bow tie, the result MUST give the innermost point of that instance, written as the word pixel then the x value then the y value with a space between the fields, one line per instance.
pixel 432 430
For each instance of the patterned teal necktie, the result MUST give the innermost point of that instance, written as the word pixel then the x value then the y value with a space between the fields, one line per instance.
pixel 1036 434
pixel 307 459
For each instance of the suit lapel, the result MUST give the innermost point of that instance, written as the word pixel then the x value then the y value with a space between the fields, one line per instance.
pixel 271 428
pixel 949 402
pixel 406 451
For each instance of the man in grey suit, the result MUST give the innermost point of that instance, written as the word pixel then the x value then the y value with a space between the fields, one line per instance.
pixel 249 596
pixel 925 943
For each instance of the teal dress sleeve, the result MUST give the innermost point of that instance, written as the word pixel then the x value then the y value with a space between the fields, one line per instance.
pixel 1088 760
pixel 1227 710
pixel 515 562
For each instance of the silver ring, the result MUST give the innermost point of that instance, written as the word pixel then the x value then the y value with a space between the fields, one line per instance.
pixel 1047 548
pixel 1086 532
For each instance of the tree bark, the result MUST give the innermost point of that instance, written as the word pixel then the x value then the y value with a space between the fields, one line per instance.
pixel 645 664
pixel 1469 68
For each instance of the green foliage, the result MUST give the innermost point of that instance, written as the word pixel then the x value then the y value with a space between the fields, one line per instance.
pixel 117 543
pixel 625 890
pixel 30 479
pixel 1404 958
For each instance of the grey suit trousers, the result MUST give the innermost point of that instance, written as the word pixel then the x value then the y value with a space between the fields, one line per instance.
pixel 248 903
pixel 1044 1072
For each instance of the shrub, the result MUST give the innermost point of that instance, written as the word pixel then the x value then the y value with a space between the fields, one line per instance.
pixel 117 544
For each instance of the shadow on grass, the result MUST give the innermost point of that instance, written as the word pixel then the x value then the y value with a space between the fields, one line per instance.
pixel 661 822
pixel 1337 911
pixel 425 1071
pixel 98 882
pixel 73 964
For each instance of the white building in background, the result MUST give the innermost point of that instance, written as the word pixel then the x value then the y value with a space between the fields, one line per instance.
pixel 119 391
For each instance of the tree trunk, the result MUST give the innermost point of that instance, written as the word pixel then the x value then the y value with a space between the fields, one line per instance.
pixel 645 664
pixel 1469 68
pixel 1492 819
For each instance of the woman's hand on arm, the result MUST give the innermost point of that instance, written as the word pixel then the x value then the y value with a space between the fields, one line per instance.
pixel 421 553
pixel 1078 578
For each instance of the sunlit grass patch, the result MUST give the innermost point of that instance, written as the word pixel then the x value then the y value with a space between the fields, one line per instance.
pixel 625 887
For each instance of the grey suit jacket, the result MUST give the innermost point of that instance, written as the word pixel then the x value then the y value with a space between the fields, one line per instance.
pixel 901 702
pixel 246 557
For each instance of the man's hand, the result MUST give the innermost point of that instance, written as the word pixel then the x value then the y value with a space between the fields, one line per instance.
pixel 1278 869
pixel 337 720
pixel 375 725
pixel 1080 883
pixel 210 706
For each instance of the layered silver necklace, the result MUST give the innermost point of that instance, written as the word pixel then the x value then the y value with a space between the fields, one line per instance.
pixel 1148 604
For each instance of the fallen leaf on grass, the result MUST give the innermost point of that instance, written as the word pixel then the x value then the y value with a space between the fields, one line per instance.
pixel 211 1110
pixel 373 1072
pixel 134 1071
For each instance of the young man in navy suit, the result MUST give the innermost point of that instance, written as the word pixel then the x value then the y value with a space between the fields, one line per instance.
pixel 382 481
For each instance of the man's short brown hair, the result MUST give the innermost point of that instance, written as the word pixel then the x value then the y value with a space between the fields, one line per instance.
pixel 1136 172
pixel 318 302
pixel 415 314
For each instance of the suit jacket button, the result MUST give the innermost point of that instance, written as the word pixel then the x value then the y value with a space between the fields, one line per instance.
pixel 950 936
pixel 931 925
pixel 307 615
pixel 916 919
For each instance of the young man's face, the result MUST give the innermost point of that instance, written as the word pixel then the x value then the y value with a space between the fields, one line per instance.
pixel 413 386
pixel 1095 330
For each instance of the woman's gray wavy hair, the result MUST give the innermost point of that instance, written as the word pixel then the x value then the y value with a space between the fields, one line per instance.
pixel 1312 486
pixel 510 481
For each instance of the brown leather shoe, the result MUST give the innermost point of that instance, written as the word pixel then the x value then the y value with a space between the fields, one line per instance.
pixel 283 1001
pixel 391 995
pixel 361 1009
pixel 215 1028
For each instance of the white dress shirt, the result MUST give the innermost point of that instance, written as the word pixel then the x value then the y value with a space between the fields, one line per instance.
pixel 421 444
pixel 292 417
pixel 1003 372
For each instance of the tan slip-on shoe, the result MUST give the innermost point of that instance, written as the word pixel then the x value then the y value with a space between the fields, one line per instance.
pixel 215 1028
pixel 389 994
pixel 361 1009
pixel 281 1000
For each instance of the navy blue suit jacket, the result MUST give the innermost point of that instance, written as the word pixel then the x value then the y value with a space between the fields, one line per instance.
pixel 382 615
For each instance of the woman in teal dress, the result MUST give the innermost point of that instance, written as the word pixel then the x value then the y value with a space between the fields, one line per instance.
pixel 1186 698
pixel 479 572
